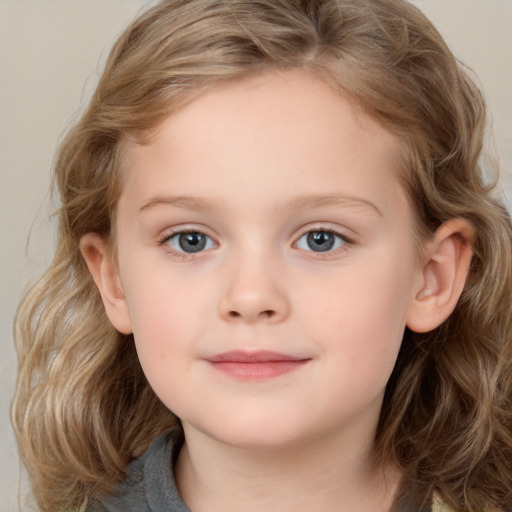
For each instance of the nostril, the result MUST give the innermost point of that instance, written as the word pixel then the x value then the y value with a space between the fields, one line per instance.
pixel 268 313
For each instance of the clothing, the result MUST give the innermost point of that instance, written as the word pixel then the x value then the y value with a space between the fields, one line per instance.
pixel 150 485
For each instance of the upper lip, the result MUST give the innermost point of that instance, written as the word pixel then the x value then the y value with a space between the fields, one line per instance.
pixel 261 356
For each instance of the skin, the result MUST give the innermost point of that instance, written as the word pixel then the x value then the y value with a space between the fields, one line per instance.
pixel 255 166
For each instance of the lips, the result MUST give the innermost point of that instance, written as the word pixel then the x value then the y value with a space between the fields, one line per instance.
pixel 261 365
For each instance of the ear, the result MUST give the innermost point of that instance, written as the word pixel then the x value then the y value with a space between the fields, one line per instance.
pixel 103 269
pixel 443 276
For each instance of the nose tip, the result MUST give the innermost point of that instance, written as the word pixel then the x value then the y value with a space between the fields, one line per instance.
pixel 252 301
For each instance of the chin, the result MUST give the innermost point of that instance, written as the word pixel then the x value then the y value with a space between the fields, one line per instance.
pixel 257 435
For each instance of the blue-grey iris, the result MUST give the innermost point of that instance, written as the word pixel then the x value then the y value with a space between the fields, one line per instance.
pixel 320 241
pixel 192 242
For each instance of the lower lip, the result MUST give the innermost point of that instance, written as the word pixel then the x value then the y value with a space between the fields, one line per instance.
pixel 261 370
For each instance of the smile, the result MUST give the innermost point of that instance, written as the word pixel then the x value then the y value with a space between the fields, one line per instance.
pixel 260 365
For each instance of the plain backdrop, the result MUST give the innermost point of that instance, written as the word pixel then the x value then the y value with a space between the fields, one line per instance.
pixel 51 53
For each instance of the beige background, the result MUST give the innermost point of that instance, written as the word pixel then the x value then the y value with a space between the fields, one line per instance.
pixel 50 56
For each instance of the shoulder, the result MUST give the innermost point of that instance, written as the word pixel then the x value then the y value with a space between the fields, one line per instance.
pixel 149 485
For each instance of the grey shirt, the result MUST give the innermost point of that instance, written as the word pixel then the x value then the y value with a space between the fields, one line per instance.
pixel 150 485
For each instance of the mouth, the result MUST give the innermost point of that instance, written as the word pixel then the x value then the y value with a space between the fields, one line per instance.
pixel 261 365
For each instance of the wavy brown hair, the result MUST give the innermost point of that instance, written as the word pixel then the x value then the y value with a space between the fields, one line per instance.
pixel 83 408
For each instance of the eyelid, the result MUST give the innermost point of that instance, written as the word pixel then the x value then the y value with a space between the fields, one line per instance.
pixel 328 227
pixel 182 230
pixel 347 241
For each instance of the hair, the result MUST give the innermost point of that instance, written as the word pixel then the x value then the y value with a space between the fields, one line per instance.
pixel 83 408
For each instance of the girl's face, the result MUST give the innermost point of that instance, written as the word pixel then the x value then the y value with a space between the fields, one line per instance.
pixel 266 262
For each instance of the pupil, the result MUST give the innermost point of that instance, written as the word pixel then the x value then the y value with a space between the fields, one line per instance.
pixel 320 241
pixel 192 242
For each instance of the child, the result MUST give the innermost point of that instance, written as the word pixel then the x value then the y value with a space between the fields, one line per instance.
pixel 281 282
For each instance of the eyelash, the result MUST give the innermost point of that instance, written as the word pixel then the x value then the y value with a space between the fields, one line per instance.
pixel 175 234
pixel 342 240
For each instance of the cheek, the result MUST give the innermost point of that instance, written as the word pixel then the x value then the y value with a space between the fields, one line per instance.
pixel 164 313
pixel 359 316
pixel 162 332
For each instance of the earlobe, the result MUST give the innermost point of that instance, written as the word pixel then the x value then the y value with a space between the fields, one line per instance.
pixel 105 274
pixel 443 276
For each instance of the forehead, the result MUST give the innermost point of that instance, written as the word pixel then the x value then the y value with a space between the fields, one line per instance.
pixel 248 134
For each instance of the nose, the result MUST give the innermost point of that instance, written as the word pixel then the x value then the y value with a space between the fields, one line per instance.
pixel 254 293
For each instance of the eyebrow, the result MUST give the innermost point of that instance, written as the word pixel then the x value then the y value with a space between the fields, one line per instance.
pixel 185 202
pixel 314 201
pixel 296 203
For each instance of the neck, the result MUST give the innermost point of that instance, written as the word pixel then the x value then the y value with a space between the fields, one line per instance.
pixel 330 473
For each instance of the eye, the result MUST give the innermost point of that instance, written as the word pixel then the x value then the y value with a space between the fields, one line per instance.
pixel 189 242
pixel 321 241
